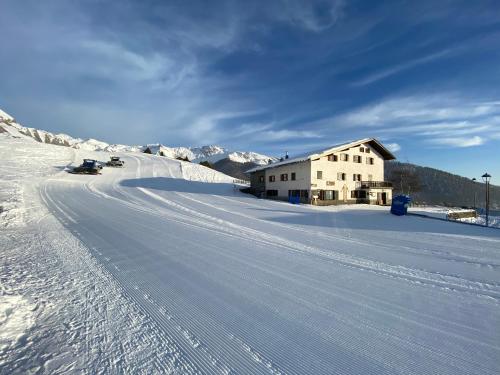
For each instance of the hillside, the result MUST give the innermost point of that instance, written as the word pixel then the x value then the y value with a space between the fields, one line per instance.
pixel 211 153
pixel 234 168
pixel 443 188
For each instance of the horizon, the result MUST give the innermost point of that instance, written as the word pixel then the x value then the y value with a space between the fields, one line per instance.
pixel 268 78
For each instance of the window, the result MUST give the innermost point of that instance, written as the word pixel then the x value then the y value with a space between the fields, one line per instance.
pixel 356 177
pixel 304 194
pixel 361 149
pixel 370 161
pixel 341 176
pixel 327 195
pixel 344 157
pixel 333 157
pixel 359 194
pixel 284 177
pixel 319 175
pixel 261 178
pixel 367 150
pixel 356 158
pixel 272 178
pixel 293 176
pixel 272 193
pixel 370 177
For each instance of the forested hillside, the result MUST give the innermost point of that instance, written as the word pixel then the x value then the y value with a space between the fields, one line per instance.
pixel 438 187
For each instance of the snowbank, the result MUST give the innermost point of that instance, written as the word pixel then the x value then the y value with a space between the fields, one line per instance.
pixel 16 317
pixel 441 212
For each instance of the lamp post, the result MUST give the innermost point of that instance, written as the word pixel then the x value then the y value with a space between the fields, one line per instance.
pixel 486 178
pixel 474 188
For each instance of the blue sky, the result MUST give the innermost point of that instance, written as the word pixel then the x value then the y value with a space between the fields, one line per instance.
pixel 270 76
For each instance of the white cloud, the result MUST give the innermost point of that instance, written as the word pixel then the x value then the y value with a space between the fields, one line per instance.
pixel 114 60
pixel 281 135
pixel 312 16
pixel 393 147
pixel 420 109
pixel 401 67
pixel 458 141
pixel 446 119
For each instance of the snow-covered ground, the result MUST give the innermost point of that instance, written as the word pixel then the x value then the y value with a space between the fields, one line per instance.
pixel 441 212
pixel 165 267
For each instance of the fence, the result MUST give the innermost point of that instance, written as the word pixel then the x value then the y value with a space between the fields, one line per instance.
pixel 241 182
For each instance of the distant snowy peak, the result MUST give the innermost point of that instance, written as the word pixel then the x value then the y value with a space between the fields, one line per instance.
pixel 211 154
pixel 16 129
pixel 250 157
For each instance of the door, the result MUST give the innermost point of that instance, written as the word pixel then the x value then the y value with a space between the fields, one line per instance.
pixel 381 198
pixel 344 193
pixel 384 198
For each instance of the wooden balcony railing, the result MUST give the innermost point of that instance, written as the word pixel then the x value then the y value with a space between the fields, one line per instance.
pixel 373 184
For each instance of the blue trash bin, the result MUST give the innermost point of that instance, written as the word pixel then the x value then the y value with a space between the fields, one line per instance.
pixel 400 204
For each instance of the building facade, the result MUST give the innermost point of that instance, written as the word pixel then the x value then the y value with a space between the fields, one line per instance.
pixel 347 173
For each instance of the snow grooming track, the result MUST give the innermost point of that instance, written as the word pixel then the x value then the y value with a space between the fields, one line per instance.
pixel 117 336
pixel 141 301
pixel 446 255
pixel 238 293
pixel 413 275
pixel 207 358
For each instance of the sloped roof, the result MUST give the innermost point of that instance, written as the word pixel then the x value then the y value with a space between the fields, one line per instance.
pixel 375 144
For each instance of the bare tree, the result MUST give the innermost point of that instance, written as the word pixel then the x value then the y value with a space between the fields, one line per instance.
pixel 405 179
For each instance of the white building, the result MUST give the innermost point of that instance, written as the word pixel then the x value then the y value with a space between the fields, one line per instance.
pixel 347 173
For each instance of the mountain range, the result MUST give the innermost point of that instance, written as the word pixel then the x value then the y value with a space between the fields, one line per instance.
pixel 211 153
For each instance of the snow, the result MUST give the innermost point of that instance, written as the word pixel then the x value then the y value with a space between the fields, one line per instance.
pixel 165 267
pixel 441 212
pixel 211 154
pixel 15 319
pixel 5 116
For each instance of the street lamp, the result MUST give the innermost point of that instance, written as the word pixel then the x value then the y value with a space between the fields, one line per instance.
pixel 486 178
pixel 474 188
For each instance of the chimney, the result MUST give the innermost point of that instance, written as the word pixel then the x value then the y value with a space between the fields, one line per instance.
pixel 286 154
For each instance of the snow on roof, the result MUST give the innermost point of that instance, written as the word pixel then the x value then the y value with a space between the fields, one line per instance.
pixel 318 153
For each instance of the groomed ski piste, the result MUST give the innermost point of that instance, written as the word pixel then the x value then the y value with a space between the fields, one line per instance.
pixel 165 267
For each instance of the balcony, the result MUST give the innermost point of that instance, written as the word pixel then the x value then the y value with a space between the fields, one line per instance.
pixel 373 184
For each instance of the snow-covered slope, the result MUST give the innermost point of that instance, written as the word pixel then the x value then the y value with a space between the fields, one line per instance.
pixel 165 267
pixel 195 154
pixel 9 124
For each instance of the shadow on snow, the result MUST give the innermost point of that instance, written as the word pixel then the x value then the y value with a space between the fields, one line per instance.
pixel 304 215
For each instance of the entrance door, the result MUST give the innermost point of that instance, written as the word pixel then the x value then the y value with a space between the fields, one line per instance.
pixel 381 198
pixel 344 193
